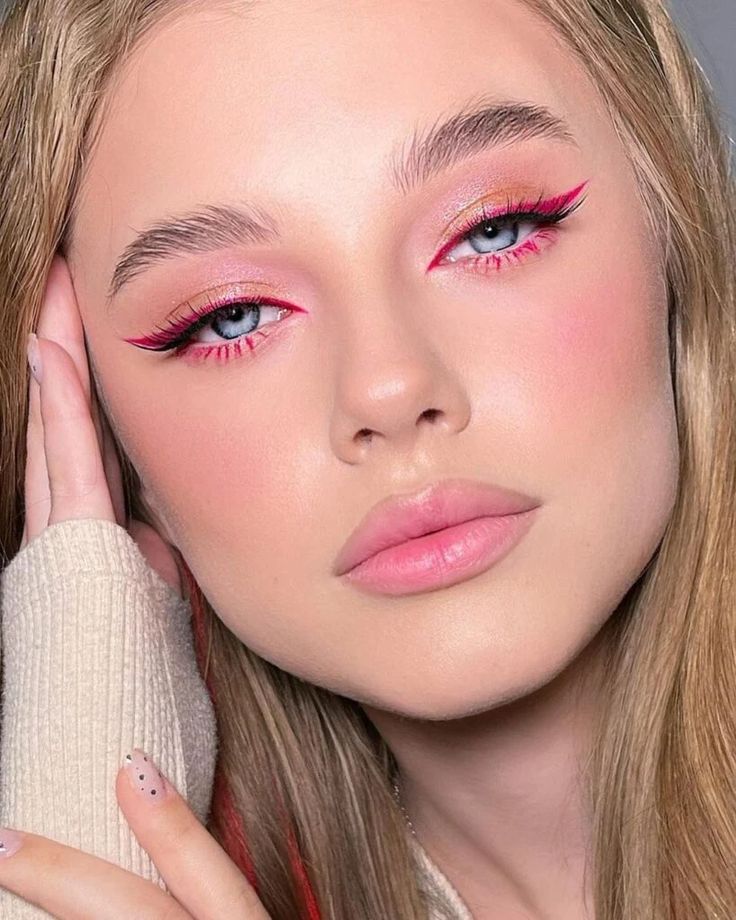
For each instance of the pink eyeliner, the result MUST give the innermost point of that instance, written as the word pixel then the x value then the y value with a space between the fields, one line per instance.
pixel 158 341
pixel 550 206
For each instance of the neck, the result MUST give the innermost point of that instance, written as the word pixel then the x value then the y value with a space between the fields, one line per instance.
pixel 498 799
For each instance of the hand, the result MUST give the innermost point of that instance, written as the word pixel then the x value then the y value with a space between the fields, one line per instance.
pixel 72 468
pixel 203 882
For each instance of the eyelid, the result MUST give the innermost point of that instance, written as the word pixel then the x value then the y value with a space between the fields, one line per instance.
pixel 482 212
pixel 221 295
pixel 166 338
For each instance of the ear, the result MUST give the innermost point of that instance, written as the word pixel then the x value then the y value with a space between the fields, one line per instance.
pixel 156 516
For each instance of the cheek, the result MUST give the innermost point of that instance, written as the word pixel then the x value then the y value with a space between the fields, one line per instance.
pixel 574 372
pixel 579 385
pixel 604 426
pixel 228 481
pixel 204 463
pixel 595 356
pixel 602 360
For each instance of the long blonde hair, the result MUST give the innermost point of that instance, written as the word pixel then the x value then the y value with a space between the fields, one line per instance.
pixel 662 792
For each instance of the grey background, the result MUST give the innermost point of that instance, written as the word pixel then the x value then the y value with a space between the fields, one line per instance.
pixel 710 26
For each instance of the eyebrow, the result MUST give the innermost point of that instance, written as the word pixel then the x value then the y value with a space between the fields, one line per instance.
pixel 478 126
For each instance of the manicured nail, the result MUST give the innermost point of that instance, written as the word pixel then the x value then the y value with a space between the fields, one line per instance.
pixel 145 776
pixel 9 842
pixel 34 356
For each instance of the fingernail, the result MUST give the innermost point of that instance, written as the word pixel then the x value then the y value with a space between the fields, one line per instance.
pixel 9 842
pixel 34 356
pixel 144 775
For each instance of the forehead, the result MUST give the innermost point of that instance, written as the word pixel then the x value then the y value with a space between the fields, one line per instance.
pixel 302 102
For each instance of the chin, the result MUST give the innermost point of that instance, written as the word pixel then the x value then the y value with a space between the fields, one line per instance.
pixel 443 701
pixel 481 683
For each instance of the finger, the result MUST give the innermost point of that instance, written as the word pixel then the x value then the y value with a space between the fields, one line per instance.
pixel 36 493
pixel 182 849
pixel 110 458
pixel 70 884
pixel 76 473
pixel 60 319
pixel 113 473
pixel 94 411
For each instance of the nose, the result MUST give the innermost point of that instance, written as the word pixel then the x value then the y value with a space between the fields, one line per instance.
pixel 394 389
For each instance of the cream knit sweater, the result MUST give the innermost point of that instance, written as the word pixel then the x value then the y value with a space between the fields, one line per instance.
pixel 98 658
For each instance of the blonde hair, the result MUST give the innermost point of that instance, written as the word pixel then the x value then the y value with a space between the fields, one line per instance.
pixel 660 776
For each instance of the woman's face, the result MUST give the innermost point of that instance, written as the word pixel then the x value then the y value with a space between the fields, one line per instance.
pixel 542 350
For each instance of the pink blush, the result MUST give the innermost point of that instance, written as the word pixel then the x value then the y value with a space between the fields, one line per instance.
pixel 600 335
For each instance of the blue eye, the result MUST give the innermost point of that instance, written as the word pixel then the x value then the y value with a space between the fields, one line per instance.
pixel 489 234
pixel 495 235
pixel 234 320
pixel 234 324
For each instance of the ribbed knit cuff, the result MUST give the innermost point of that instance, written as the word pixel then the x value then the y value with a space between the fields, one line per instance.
pixel 79 547
pixel 98 657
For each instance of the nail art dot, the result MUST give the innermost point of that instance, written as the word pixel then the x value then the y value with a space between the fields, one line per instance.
pixel 146 778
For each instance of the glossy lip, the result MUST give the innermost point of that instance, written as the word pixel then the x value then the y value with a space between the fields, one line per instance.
pixel 441 505
pixel 442 558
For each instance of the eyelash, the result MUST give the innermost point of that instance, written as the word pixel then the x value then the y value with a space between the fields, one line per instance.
pixel 548 214
pixel 176 337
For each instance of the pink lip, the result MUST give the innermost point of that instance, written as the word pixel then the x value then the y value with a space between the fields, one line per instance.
pixel 443 558
pixel 463 526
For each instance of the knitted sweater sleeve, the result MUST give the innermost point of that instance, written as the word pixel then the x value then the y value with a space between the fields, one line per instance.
pixel 98 658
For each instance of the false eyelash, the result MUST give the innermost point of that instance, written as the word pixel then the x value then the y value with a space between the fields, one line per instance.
pixel 180 331
pixel 546 213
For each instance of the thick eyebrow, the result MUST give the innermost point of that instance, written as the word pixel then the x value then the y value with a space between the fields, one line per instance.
pixel 477 127
pixel 205 229
pixel 474 128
